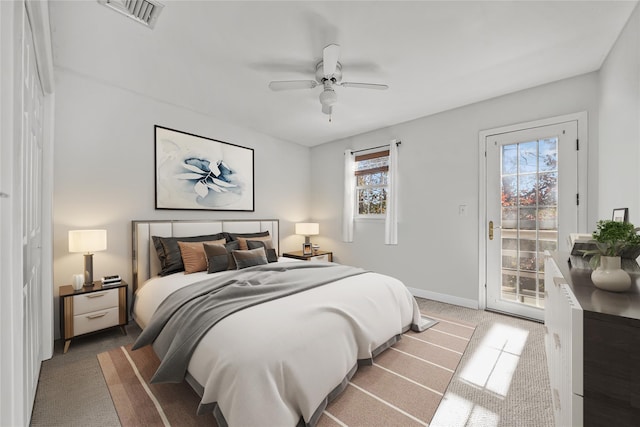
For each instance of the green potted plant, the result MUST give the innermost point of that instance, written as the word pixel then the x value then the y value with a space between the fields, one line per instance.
pixel 613 240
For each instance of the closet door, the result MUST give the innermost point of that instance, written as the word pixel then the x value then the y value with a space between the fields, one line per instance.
pixel 31 163
pixel 27 293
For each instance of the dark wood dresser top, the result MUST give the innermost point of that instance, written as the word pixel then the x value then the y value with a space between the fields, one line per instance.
pixel 623 304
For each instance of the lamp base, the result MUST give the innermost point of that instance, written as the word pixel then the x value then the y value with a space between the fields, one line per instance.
pixel 88 269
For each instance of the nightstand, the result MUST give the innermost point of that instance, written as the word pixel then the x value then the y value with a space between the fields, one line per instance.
pixel 316 256
pixel 92 309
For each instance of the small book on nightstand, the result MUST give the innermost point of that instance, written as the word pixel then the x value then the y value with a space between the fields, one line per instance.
pixel 111 280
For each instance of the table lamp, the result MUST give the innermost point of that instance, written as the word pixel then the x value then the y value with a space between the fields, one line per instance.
pixel 87 241
pixel 307 229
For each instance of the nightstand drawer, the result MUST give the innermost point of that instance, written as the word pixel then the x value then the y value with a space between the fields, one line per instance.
pixel 94 321
pixel 87 303
pixel 324 258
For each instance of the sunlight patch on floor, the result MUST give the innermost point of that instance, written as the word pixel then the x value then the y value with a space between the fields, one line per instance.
pixel 494 362
pixel 456 411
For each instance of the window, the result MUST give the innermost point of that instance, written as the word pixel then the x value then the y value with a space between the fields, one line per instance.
pixel 371 172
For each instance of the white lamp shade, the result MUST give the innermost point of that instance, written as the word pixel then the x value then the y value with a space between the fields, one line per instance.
pixel 87 240
pixel 308 228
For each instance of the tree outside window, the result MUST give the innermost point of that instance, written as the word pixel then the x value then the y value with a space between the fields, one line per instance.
pixel 530 185
pixel 371 172
pixel 529 199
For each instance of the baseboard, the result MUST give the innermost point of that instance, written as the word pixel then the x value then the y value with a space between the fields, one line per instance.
pixel 449 299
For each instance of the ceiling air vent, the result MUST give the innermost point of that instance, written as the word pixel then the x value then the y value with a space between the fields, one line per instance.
pixel 143 11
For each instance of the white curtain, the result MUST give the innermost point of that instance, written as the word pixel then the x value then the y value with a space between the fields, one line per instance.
pixel 349 203
pixel 391 221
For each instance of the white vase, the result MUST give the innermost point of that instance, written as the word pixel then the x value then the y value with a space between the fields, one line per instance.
pixel 609 276
pixel 77 281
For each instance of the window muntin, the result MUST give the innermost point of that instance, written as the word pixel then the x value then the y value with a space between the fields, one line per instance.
pixel 371 172
pixel 529 217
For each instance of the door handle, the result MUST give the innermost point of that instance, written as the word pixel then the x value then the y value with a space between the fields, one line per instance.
pixel 491 227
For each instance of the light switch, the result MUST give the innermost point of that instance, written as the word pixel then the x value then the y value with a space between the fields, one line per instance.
pixel 462 210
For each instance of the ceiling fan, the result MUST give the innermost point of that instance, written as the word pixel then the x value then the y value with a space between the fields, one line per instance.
pixel 328 75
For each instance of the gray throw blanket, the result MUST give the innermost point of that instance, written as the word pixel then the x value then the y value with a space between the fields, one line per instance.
pixel 186 315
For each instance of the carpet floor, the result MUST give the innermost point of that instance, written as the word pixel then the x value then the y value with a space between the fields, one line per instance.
pixel 502 379
pixel 403 387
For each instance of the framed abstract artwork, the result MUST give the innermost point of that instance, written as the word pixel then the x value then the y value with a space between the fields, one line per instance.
pixel 194 172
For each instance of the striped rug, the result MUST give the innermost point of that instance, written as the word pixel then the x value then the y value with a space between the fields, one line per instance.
pixel 403 387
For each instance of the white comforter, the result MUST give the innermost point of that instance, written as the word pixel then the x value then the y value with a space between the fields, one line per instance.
pixel 272 363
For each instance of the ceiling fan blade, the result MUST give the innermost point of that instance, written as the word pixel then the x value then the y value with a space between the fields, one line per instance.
pixel 327 109
pixel 293 84
pixel 330 56
pixel 364 85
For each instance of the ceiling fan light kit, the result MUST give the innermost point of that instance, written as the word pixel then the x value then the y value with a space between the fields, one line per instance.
pixel 328 74
pixel 328 97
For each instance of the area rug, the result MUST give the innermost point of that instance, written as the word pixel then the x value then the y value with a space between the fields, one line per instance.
pixel 404 386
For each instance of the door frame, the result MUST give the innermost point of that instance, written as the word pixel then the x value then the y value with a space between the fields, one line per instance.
pixel 582 119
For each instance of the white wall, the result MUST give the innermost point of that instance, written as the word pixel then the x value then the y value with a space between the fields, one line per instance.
pixel 104 172
pixel 437 249
pixel 619 154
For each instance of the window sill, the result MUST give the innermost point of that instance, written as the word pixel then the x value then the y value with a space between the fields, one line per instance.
pixel 370 218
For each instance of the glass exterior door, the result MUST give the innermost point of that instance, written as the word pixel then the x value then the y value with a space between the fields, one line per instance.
pixel 531 187
pixel 529 217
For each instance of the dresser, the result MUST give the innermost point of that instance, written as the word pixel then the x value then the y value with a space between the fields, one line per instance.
pixel 92 309
pixel 593 347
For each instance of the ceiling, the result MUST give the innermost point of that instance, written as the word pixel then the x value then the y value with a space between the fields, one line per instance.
pixel 217 58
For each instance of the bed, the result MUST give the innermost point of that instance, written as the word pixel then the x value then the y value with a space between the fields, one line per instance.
pixel 282 361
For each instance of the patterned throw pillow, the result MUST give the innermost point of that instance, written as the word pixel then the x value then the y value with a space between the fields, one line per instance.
pixel 193 256
pixel 219 256
pixel 249 258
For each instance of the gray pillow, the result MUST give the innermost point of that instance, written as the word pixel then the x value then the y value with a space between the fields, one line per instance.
pixel 169 252
pixel 234 236
pixel 272 256
pixel 219 256
pixel 249 258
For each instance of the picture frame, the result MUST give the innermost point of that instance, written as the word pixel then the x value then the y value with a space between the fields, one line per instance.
pixel 620 215
pixel 199 173
pixel 307 249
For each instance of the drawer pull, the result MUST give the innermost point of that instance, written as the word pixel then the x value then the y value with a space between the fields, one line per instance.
pixel 95 316
pixel 556 338
pixel 556 399
pixel 95 295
